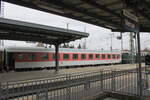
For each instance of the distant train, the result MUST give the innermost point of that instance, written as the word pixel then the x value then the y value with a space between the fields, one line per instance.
pixel 23 58
pixel 127 57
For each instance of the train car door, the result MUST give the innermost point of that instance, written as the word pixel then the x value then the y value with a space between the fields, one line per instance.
pixel 11 61
pixel 1 60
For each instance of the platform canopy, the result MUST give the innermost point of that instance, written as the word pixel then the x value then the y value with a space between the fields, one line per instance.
pixel 104 13
pixel 18 30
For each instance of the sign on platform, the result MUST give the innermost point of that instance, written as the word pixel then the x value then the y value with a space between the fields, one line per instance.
pixel 129 21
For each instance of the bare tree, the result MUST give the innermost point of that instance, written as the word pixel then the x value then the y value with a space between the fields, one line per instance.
pixel 79 46
pixel 146 49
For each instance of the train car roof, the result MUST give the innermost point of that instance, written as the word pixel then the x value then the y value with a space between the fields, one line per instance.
pixel 41 49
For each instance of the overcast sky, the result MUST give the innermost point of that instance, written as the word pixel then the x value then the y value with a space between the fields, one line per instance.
pixel 99 37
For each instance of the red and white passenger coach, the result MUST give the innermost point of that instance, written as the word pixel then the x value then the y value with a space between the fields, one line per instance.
pixel 32 58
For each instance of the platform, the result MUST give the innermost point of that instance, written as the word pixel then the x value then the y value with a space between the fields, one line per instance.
pixel 33 75
pixel 25 31
pixel 78 86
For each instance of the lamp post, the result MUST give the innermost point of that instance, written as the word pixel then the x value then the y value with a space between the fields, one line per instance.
pixel 84 44
pixel 67 26
pixel 111 36
pixel 121 38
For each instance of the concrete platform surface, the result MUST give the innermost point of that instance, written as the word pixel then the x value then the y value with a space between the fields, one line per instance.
pixel 33 75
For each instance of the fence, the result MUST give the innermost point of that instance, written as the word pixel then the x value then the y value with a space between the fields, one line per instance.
pixel 75 86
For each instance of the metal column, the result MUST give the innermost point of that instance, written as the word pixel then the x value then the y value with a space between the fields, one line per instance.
pixel 131 48
pixel 57 57
pixel 140 91
pixel 121 42
pixel 121 35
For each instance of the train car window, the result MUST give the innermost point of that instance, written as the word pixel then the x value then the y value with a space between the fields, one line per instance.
pixel 91 56
pixel 66 56
pixel 109 56
pixel 113 56
pixel 55 56
pixel 103 56
pixel 83 56
pixel 44 56
pixel 31 56
pixel 75 56
pixel 21 56
pixel 97 56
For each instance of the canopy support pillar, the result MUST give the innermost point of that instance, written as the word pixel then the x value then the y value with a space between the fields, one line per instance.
pixel 57 57
pixel 140 91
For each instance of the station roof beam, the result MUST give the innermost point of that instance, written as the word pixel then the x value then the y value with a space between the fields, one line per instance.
pixel 104 13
